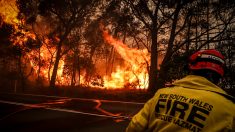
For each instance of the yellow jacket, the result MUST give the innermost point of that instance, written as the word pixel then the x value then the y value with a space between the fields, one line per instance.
pixel 192 104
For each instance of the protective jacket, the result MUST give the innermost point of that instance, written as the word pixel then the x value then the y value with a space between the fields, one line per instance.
pixel 191 104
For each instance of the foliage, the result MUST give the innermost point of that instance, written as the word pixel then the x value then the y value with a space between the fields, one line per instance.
pixel 74 30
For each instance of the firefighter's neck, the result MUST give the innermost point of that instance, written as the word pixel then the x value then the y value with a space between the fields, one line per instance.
pixel 211 76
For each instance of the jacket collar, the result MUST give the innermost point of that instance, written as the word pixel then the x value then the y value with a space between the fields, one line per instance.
pixel 198 82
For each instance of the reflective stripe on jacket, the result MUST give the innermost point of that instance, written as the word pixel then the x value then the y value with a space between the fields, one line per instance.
pixel 192 104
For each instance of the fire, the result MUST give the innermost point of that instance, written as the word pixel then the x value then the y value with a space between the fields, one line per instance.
pixel 9 11
pixel 132 73
pixel 46 67
pixel 135 69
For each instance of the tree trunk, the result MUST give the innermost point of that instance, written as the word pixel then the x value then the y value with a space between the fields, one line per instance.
pixel 73 78
pixel 164 66
pixel 154 60
pixel 79 71
pixel 54 73
pixel 21 76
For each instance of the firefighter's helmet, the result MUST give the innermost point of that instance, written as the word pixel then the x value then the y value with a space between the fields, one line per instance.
pixel 207 59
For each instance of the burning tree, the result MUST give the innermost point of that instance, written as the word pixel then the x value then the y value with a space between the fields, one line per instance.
pixel 114 44
pixel 179 26
pixel 63 22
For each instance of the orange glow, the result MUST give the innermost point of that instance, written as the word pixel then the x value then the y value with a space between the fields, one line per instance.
pixel 9 11
pixel 133 71
pixel 47 66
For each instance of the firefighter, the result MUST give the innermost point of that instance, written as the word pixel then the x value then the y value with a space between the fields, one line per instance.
pixel 194 103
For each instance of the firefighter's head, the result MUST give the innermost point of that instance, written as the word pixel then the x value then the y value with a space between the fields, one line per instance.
pixel 208 63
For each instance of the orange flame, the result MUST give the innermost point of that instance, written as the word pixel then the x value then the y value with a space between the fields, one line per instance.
pixel 9 11
pixel 134 71
pixel 47 66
